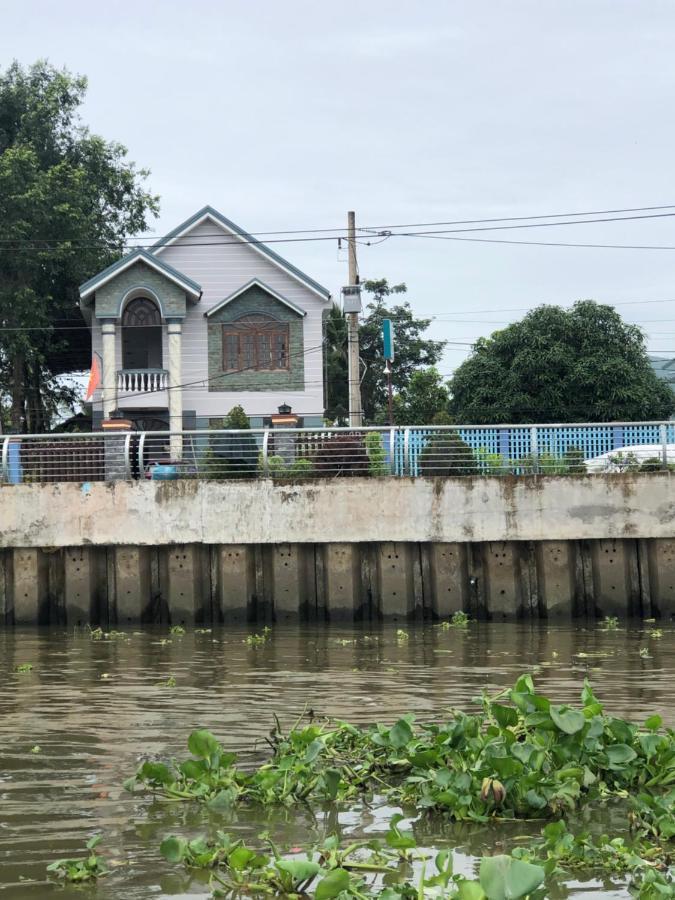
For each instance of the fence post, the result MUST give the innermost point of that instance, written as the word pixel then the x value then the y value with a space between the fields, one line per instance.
pixel 265 453
pixel 534 449
pixel 663 434
pixel 504 450
pixel 407 468
pixel 392 451
pixel 5 460
pixel 141 456
pixel 127 456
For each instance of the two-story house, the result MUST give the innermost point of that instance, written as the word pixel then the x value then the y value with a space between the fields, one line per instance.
pixel 206 319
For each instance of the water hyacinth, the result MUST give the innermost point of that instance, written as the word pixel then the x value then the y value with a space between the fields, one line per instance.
pixel 84 869
pixel 520 756
pixel 360 870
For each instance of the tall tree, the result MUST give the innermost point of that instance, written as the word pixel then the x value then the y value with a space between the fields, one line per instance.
pixel 423 401
pixel 583 364
pixel 413 351
pixel 68 202
pixel 336 366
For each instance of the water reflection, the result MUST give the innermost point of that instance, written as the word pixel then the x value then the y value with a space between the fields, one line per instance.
pixel 95 707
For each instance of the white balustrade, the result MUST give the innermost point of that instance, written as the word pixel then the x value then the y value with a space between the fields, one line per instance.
pixel 141 381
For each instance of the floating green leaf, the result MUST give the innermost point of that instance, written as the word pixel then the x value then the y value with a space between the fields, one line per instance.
pixel 505 878
pixel 332 884
pixel 506 716
pixel 620 754
pixel 299 869
pixel 203 744
pixel 568 720
pixel 400 734
pixel 173 849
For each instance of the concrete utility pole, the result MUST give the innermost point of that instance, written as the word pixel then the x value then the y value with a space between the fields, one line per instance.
pixel 355 409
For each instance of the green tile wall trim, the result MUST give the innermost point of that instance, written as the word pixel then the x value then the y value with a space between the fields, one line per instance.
pixel 139 276
pixel 252 302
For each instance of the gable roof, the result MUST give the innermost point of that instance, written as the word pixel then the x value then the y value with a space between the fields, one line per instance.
pixel 208 212
pixel 187 284
pixel 255 282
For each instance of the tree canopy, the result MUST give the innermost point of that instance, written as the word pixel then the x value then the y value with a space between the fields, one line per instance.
pixel 583 364
pixel 423 401
pixel 68 201
pixel 413 352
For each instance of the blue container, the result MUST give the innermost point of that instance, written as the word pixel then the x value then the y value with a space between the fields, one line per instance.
pixel 164 473
pixel 15 471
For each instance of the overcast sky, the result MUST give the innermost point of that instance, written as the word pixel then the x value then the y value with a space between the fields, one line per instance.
pixel 286 115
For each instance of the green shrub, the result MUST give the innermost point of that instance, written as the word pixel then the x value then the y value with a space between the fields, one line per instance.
pixel 236 419
pixel 341 454
pixel 492 463
pixel 209 467
pixel 550 464
pixel 377 458
pixel 574 459
pixel 623 462
pixel 445 453
pixel 234 455
pixel 275 465
pixel 302 467
pixel 299 468
pixel 651 464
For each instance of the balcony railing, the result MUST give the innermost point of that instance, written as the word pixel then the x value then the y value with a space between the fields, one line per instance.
pixel 142 381
pixel 300 453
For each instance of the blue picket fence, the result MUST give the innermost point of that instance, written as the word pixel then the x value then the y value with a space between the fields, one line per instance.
pixel 515 443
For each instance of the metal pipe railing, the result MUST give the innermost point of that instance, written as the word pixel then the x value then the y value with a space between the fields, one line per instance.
pixel 297 453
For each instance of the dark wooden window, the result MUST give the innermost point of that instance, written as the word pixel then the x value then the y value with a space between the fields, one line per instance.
pixel 141 313
pixel 255 343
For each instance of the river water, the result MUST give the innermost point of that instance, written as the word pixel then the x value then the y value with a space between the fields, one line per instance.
pixel 94 707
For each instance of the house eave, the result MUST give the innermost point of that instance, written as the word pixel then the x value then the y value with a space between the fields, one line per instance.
pixel 255 282
pixel 187 284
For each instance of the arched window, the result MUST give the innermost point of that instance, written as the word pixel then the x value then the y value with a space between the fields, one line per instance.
pixel 257 343
pixel 141 312
pixel 141 335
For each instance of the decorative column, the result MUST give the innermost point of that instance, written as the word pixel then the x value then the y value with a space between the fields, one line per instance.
pixel 175 340
pixel 108 386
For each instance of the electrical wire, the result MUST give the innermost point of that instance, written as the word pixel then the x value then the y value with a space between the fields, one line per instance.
pixel 440 237
pixel 157 239
pixel 249 239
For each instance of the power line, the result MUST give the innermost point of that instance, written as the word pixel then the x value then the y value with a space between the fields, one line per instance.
pixel 440 237
pixel 340 230
pixel 543 224
pixel 250 239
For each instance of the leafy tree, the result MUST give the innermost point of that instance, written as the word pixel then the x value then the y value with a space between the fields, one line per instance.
pixel 422 400
pixel 233 455
pixel 445 453
pixel 68 202
pixel 336 366
pixel 583 364
pixel 413 352
pixel 237 419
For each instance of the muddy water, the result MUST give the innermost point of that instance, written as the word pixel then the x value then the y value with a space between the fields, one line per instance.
pixel 94 707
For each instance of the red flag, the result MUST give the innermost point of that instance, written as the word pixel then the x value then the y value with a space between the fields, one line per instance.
pixel 94 377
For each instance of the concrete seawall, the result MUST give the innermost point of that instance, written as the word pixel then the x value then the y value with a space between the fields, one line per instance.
pixel 362 548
